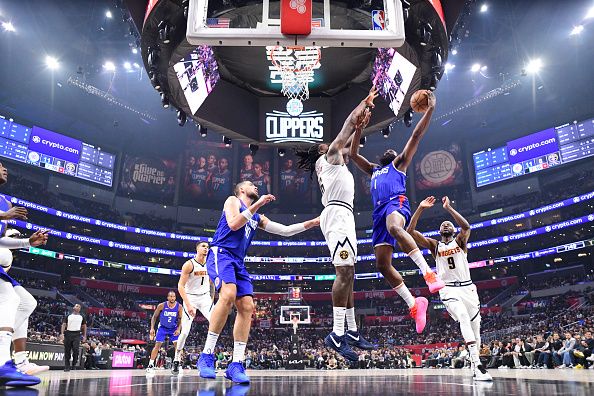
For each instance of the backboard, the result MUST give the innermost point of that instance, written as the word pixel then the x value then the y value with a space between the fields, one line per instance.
pixel 299 311
pixel 378 24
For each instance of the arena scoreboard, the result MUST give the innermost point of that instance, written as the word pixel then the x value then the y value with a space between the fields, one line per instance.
pixel 535 152
pixel 50 150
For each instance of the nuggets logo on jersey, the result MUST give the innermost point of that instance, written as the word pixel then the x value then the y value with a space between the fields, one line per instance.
pixel 344 254
pixel 449 252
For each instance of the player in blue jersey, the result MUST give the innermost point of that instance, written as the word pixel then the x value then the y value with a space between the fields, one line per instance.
pixel 226 268
pixel 16 304
pixel 169 314
pixel 391 213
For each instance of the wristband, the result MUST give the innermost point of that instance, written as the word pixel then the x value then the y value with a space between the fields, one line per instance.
pixel 247 214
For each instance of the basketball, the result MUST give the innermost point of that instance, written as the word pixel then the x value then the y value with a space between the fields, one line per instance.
pixel 420 101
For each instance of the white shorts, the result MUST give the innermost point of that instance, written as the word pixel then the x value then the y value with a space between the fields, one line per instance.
pixel 202 303
pixel 460 299
pixel 338 226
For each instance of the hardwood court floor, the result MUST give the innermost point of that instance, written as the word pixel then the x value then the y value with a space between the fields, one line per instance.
pixel 314 382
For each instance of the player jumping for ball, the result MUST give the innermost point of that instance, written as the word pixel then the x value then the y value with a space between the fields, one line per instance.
pixel 391 212
pixel 338 225
pixel 459 294
pixel 226 268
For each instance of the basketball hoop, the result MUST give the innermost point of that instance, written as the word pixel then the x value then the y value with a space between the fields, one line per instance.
pixel 295 322
pixel 296 65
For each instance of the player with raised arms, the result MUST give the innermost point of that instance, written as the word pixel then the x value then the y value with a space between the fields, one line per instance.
pixel 391 213
pixel 459 294
pixel 197 293
pixel 226 268
pixel 338 225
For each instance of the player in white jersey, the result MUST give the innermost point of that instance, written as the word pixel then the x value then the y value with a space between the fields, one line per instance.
pixel 197 293
pixel 338 225
pixel 459 294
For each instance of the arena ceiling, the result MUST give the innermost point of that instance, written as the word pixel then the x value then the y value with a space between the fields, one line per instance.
pixel 79 35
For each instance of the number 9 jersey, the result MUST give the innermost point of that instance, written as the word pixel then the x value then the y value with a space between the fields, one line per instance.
pixel 451 262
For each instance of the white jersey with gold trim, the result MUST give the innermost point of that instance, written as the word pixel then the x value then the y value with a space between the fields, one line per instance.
pixel 336 183
pixel 198 282
pixel 451 262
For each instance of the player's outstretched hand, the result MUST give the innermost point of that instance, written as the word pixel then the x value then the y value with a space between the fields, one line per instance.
pixel 265 199
pixel 371 97
pixel 446 202
pixel 431 101
pixel 16 212
pixel 152 334
pixel 176 332
pixel 38 238
pixel 312 223
pixel 427 202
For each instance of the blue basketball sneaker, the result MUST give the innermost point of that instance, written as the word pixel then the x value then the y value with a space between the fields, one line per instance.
pixel 206 365
pixel 354 338
pixel 11 376
pixel 236 373
pixel 340 345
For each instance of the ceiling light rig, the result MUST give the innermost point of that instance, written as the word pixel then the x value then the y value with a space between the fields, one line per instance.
pixel 90 89
pixel 504 89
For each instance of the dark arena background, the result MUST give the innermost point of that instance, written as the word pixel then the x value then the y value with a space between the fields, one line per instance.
pixel 125 125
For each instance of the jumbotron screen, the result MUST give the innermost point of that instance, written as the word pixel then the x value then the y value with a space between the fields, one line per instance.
pixel 50 150
pixel 535 152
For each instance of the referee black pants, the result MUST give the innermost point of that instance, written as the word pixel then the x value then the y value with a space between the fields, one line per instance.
pixel 71 348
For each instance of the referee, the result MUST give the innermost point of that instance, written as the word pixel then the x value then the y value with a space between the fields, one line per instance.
pixel 71 329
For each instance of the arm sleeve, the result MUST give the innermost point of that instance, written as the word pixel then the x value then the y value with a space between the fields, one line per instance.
pixel 284 230
pixel 12 243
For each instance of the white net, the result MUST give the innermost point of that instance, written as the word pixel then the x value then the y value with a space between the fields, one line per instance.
pixel 296 66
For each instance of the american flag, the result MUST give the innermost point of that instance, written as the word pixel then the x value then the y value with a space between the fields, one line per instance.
pixel 218 22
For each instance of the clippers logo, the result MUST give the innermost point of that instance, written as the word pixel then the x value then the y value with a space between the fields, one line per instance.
pixel 294 125
pixel 298 5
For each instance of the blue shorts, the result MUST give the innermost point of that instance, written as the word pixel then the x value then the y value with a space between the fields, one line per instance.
pixel 163 332
pixel 222 266
pixel 381 236
pixel 8 278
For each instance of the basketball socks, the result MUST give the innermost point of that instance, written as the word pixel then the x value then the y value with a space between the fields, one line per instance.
pixel 350 319
pixel 474 354
pixel 211 343
pixel 5 342
pixel 339 315
pixel 403 292
pixel 239 351
pixel 20 358
pixel 419 260
pixel 152 363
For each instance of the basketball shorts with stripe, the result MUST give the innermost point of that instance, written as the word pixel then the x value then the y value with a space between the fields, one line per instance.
pixel 338 226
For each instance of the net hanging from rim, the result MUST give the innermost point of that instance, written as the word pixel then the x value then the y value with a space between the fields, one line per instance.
pixel 296 65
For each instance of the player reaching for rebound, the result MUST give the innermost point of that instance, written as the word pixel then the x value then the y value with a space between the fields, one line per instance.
pixel 338 225
pixel 459 294
pixel 391 212
pixel 169 314
pixel 197 293
pixel 226 268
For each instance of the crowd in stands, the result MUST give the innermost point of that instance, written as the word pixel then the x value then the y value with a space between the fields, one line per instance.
pixel 506 336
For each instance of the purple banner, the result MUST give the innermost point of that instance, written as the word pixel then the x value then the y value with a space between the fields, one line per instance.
pixel 55 145
pixel 532 146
